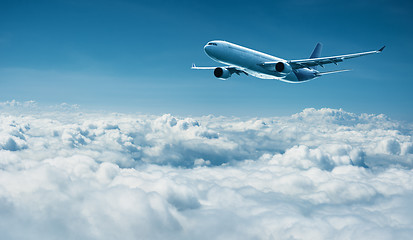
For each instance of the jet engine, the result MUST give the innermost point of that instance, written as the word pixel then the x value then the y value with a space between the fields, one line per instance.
pixel 283 68
pixel 222 73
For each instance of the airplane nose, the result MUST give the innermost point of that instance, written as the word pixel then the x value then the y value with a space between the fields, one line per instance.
pixel 207 49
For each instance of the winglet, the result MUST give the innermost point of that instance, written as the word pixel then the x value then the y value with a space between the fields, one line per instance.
pixel 193 66
pixel 381 49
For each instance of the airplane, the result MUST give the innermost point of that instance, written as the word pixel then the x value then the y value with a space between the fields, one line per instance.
pixel 242 60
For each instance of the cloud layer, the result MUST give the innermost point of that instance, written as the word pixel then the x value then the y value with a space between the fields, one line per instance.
pixel 318 174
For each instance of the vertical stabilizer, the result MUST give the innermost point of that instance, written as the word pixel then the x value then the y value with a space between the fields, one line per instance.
pixel 317 51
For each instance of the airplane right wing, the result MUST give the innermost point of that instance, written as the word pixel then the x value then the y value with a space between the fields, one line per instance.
pixel 202 68
pixel 231 69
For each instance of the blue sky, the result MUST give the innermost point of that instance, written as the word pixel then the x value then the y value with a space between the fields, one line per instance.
pixel 135 56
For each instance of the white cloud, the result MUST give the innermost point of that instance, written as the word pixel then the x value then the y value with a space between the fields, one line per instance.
pixel 318 174
pixel 13 103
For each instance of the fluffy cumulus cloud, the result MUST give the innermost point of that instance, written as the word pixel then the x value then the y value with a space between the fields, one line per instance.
pixel 318 174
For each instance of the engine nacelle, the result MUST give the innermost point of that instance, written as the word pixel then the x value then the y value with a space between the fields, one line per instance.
pixel 283 68
pixel 222 73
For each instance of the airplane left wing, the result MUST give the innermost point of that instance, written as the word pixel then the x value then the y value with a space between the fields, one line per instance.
pixel 312 62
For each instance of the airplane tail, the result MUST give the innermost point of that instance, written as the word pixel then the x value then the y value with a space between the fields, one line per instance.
pixel 317 51
pixel 330 72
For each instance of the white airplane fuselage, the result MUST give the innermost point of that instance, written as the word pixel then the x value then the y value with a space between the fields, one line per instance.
pixel 250 61
pixel 238 59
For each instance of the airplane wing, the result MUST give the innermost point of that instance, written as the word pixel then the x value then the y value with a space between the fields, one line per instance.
pixel 312 62
pixel 231 69
pixel 202 68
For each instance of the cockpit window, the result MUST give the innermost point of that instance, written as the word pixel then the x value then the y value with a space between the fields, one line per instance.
pixel 212 44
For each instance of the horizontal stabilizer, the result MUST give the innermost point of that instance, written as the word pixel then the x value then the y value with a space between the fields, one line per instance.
pixel 330 72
